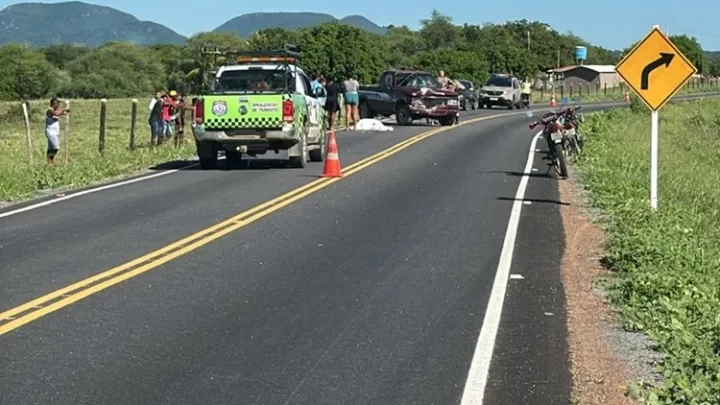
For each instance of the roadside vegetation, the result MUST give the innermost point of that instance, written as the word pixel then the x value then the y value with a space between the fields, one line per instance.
pixel 19 179
pixel 667 262
pixel 117 70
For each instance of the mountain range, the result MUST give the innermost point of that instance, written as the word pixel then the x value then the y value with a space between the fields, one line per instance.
pixel 41 24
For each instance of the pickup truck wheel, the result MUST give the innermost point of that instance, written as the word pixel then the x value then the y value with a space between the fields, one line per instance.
pixel 512 105
pixel 318 155
pixel 364 111
pixel 208 154
pixel 233 158
pixel 300 162
pixel 402 115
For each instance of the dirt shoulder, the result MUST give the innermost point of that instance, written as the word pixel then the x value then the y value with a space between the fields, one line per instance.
pixel 604 359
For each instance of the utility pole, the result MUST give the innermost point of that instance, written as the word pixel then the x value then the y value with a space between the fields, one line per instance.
pixel 558 59
pixel 528 37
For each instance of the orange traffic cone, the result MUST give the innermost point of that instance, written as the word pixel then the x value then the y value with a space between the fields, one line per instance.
pixel 553 103
pixel 332 160
pixel 627 97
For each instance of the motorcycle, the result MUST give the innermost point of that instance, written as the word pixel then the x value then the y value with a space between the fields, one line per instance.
pixel 571 123
pixel 561 131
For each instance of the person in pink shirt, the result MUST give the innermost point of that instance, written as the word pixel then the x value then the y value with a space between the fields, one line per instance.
pixel 168 104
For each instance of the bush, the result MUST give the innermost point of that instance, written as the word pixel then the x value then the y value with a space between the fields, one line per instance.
pixel 669 260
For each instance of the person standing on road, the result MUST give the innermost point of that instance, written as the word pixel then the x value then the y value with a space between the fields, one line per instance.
pixel 526 91
pixel 52 128
pixel 352 100
pixel 332 103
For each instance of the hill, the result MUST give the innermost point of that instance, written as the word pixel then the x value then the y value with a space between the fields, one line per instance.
pixel 39 24
pixel 246 24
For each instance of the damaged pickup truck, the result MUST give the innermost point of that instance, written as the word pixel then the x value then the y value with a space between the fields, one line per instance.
pixel 409 95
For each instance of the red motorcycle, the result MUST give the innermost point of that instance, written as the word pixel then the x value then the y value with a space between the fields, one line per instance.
pixel 561 131
pixel 554 134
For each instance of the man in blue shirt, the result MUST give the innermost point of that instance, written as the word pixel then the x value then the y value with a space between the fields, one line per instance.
pixel 316 86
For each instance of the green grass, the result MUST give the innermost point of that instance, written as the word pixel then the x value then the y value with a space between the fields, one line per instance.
pixel 593 94
pixel 21 180
pixel 668 262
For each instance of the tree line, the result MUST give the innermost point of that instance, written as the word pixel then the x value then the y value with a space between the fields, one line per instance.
pixel 525 48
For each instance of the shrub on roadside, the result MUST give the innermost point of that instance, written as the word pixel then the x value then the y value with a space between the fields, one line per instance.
pixel 669 260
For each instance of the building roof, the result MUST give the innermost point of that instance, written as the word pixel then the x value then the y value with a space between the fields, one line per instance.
pixel 601 68
pixel 562 69
pixel 597 68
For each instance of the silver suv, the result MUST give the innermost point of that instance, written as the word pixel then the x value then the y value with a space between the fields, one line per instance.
pixel 502 90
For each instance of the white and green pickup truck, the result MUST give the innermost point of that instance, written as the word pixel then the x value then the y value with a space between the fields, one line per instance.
pixel 263 102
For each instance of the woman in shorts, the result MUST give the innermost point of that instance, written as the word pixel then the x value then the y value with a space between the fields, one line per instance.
pixel 332 103
pixel 352 100
pixel 52 128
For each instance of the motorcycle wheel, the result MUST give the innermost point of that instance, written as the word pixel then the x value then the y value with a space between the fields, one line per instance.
pixel 573 147
pixel 561 161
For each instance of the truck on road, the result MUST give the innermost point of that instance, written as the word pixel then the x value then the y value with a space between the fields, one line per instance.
pixel 262 102
pixel 409 95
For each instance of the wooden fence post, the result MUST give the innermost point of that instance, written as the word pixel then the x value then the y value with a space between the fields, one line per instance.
pixel 133 123
pixel 103 114
pixel 66 134
pixel 28 136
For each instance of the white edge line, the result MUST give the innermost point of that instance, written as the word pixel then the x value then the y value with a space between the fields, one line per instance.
pixel 474 391
pixel 93 190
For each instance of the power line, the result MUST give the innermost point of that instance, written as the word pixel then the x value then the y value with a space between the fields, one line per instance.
pixel 691 33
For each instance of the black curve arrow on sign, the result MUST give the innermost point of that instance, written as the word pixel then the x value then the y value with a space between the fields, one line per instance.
pixel 664 59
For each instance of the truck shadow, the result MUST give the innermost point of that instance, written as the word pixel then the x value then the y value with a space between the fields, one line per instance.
pixel 534 200
pixel 551 174
pixel 224 165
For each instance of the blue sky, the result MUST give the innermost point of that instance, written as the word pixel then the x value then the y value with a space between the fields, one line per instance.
pixel 610 23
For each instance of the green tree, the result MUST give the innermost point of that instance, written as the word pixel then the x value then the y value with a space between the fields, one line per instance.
pixel 714 68
pixel 402 44
pixel 25 73
pixel 62 54
pixel 524 48
pixel 691 48
pixel 197 65
pixel 456 64
pixel 115 70
pixel 439 32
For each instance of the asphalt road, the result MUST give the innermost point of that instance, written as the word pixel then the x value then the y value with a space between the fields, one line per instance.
pixel 368 290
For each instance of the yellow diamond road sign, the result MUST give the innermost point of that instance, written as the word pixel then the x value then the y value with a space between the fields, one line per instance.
pixel 655 69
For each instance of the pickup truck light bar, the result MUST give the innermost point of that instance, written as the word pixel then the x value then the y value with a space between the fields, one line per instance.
pixel 261 59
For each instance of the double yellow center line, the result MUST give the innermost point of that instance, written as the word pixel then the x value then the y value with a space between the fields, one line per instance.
pixel 46 304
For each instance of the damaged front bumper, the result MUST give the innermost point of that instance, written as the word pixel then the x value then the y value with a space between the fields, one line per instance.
pixel 434 107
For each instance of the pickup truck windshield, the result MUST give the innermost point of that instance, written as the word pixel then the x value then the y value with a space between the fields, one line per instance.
pixel 499 82
pixel 421 80
pixel 253 80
